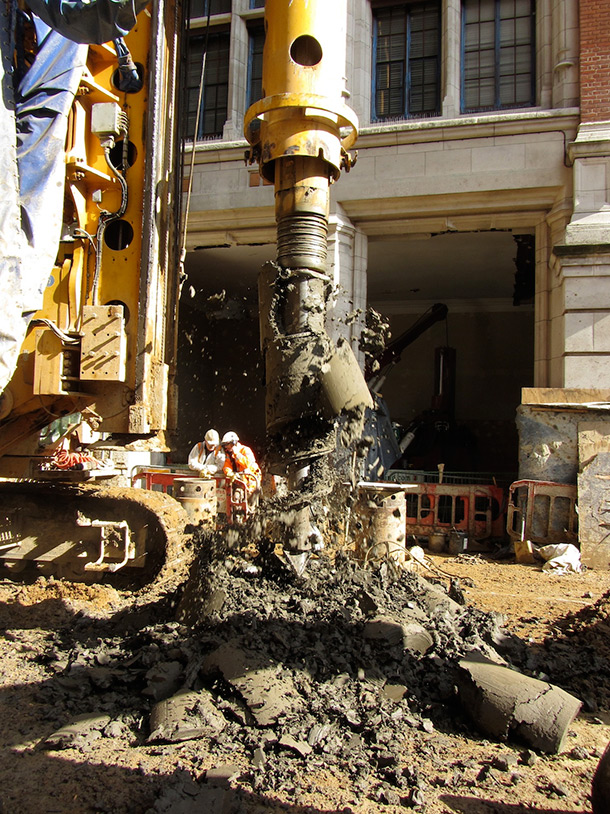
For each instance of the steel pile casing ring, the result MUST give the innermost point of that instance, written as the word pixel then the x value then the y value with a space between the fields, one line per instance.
pixel 289 117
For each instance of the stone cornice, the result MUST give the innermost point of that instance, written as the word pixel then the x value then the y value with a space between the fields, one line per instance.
pixel 470 211
pixel 565 121
pixel 469 126
pixel 581 249
pixel 592 141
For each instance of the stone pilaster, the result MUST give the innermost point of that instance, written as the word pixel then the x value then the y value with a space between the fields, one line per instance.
pixel 585 287
pixel 347 261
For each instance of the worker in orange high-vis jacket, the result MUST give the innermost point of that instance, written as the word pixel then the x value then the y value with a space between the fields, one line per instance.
pixel 240 462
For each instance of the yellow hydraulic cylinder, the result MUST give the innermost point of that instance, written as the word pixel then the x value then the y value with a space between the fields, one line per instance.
pixel 300 134
pixel 302 129
pixel 303 107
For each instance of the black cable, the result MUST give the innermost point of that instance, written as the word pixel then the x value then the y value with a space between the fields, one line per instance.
pixel 107 217
pixel 197 114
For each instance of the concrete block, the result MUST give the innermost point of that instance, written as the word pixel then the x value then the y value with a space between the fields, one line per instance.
pixel 302 748
pixel 594 266
pixel 461 144
pixel 543 152
pixel 387 166
pixel 408 634
pixel 586 293
pixel 584 201
pixel 594 501
pixel 591 175
pixel 422 147
pixel 78 732
pixel 601 332
pixel 579 332
pixel 548 444
pixel 587 371
pixel 505 157
pixel 384 630
pixel 435 602
pixel 185 716
pixel 416 638
pixel 449 162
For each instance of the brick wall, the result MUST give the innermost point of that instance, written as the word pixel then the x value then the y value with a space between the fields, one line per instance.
pixel 595 60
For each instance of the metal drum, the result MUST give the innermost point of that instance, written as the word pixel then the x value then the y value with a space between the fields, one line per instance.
pixel 379 528
pixel 198 496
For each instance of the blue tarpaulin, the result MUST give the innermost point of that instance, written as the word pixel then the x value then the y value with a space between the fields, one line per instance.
pixel 95 21
pixel 33 125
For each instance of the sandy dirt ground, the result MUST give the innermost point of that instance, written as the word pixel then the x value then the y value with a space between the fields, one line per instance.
pixel 48 629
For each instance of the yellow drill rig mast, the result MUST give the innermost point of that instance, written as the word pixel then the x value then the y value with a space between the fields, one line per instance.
pixel 300 132
pixel 100 349
pixel 102 346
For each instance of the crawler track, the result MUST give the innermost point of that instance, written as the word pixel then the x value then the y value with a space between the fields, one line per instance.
pixel 41 521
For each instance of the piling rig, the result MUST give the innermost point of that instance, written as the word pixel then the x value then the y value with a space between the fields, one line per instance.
pixel 99 344
pixel 101 348
pixel 300 133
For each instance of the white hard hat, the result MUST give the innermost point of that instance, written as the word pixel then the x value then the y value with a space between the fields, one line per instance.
pixel 230 438
pixel 212 438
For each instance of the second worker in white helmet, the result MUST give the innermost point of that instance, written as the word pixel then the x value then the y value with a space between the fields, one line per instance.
pixel 207 457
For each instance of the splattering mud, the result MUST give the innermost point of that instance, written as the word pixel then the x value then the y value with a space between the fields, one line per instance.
pixel 331 693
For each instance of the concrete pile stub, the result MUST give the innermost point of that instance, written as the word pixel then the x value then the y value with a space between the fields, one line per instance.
pixel 504 703
pixel 78 733
pixel 435 601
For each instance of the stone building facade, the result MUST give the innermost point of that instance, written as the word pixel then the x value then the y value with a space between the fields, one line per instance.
pixel 482 181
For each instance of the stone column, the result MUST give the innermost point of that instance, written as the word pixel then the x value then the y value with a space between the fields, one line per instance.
pixel 585 286
pixel 584 254
pixel 544 59
pixel 451 58
pixel 359 58
pixel 564 50
pixel 583 262
pixel 581 265
pixel 347 260
pixel 238 79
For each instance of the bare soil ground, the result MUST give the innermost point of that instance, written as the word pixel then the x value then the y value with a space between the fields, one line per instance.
pixel 49 631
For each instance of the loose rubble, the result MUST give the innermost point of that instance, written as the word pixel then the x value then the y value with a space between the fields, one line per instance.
pixel 270 683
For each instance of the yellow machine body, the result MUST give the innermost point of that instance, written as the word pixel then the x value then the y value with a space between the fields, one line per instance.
pixel 112 358
pixel 102 346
